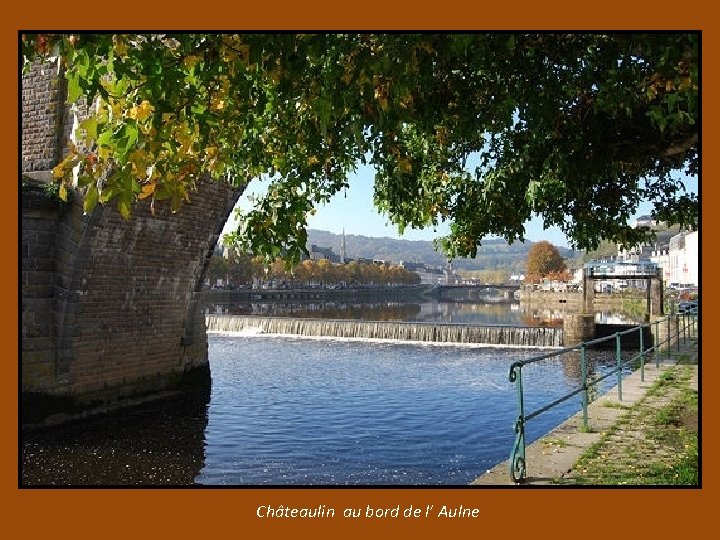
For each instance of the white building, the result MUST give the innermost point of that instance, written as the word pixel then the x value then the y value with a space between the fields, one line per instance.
pixel 661 257
pixel 675 253
pixel 683 259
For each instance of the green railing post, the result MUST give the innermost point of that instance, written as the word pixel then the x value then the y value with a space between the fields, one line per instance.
pixel 667 347
pixel 583 371
pixel 642 356
pixel 693 319
pixel 618 361
pixel 517 455
pixel 684 327
pixel 657 344
pixel 677 331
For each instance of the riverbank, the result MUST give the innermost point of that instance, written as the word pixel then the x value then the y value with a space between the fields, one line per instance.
pixel 648 438
pixel 351 294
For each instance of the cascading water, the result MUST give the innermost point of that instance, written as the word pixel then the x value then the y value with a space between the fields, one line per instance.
pixel 397 331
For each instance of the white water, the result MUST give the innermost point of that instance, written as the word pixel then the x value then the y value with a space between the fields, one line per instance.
pixel 372 331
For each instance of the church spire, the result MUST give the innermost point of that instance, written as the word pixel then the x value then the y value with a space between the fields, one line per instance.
pixel 342 247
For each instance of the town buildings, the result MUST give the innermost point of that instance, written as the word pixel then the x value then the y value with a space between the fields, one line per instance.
pixel 676 252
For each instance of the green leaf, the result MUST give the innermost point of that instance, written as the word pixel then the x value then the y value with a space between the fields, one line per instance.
pixel 91 199
pixel 74 90
pixel 106 138
pixel 90 126
pixel 124 207
pixel 85 180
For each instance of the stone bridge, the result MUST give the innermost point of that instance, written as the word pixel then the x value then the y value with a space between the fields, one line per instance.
pixel 110 308
pixel 475 293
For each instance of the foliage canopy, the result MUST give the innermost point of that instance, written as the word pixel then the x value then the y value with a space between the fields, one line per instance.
pixel 578 128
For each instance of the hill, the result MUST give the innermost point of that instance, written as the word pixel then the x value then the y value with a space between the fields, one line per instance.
pixel 494 253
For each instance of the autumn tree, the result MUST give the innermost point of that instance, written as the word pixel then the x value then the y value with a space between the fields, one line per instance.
pixel 543 260
pixel 577 128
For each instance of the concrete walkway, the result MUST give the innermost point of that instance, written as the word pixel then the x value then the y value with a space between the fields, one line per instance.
pixel 552 458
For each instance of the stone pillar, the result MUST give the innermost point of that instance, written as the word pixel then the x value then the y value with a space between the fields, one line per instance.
pixel 111 307
pixel 588 304
pixel 578 327
pixel 40 215
pixel 656 296
pixel 666 329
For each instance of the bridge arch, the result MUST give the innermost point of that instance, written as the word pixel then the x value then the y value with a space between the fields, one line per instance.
pixel 110 307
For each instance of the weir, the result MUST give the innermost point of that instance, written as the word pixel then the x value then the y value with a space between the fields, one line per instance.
pixel 400 331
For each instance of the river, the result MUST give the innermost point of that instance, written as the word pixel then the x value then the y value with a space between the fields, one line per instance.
pixel 291 411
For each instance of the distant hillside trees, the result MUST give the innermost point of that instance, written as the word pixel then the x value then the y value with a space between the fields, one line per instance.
pixel 243 270
pixel 605 250
pixel 494 254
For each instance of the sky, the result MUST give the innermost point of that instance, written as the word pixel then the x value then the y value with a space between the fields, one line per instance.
pixel 352 210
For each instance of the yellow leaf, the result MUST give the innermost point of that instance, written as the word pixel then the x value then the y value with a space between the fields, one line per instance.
pixel 191 60
pixel 141 112
pixel 103 152
pixel 120 48
pixel 404 165
pixel 244 53
pixel 185 137
pixel 65 165
pixel 116 109
pixel 138 157
pixel 312 160
pixel 59 170
pixel 147 190
pixel 63 192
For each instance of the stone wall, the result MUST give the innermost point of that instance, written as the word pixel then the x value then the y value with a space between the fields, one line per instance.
pixel 578 328
pixel 43 117
pixel 110 307
pixel 576 301
pixel 40 215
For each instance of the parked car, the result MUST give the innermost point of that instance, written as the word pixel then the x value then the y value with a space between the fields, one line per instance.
pixel 688 307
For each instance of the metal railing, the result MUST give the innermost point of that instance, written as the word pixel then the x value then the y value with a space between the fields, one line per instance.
pixel 686 325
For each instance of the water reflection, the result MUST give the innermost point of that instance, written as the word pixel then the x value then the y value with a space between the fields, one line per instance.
pixel 384 311
pixel 507 314
pixel 572 364
pixel 615 317
pixel 439 312
pixel 159 443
